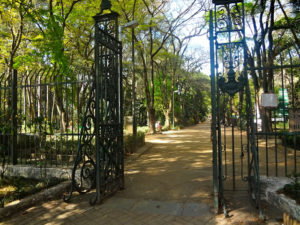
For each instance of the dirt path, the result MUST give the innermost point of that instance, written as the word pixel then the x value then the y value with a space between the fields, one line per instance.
pixel 176 168
pixel 170 183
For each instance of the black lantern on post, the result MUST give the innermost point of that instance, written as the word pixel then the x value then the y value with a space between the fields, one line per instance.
pixel 105 5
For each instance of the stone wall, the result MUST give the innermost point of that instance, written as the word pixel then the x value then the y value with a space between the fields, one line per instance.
pixel 269 188
pixel 38 173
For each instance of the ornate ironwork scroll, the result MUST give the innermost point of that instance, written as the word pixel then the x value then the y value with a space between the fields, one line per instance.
pixel 99 160
pixel 232 86
pixel 83 172
pixel 229 66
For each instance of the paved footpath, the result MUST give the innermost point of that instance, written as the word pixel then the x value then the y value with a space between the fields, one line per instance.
pixel 170 183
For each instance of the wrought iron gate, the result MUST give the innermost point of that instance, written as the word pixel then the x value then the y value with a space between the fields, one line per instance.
pixel 99 162
pixel 229 78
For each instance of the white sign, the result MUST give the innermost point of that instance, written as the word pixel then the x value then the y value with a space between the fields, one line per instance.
pixel 269 100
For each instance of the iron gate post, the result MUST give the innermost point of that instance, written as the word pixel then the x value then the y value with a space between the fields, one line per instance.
pixel 97 113
pixel 100 161
pixel 229 39
pixel 214 115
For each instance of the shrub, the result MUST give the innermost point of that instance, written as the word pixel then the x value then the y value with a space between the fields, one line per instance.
pixel 165 128
pixel 288 140
pixel 13 188
pixel 131 143
pixel 144 129
pixel 293 189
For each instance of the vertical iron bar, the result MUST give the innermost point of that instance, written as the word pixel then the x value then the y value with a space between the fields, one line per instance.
pixel 14 124
pixel 241 135
pixel 224 114
pixel 19 132
pixel 276 146
pixel 65 152
pixel 267 157
pixel 283 112
pixel 221 185
pixel 120 83
pixel 232 144
pixel 213 102
pixel 71 153
pixel 97 112
pixel 224 118
pixel 47 123
pixel 293 108
pixel 134 125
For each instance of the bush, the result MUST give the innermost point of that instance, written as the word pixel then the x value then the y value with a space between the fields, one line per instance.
pixel 13 188
pixel 144 129
pixel 293 189
pixel 131 143
pixel 165 128
pixel 288 140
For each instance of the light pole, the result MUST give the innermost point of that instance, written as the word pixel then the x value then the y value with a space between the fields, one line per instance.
pixel 132 24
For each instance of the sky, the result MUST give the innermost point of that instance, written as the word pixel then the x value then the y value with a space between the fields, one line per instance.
pixel 198 46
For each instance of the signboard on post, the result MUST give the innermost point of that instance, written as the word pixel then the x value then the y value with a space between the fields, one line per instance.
pixel 269 100
pixel 294 116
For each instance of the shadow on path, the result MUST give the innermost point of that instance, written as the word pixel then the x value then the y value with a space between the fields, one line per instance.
pixel 171 183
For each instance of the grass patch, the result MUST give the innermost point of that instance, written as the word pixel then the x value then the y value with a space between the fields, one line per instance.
pixel 15 188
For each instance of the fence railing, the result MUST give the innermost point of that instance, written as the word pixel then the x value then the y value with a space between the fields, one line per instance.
pixel 276 118
pixel 40 115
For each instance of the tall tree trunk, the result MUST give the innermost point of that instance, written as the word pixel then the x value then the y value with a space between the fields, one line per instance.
pixel 167 118
pixel 269 75
pixel 60 108
pixel 148 95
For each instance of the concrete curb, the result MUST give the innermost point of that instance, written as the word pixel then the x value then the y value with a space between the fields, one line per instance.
pixel 55 191
pixel 31 200
pixel 270 186
pixel 38 172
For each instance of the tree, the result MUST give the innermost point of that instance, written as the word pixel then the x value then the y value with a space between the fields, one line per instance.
pixel 12 15
pixel 156 28
pixel 272 36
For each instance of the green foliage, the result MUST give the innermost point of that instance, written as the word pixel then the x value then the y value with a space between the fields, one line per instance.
pixel 61 37
pixel 293 189
pixel 131 143
pixel 195 100
pixel 291 141
pixel 144 129
pixel 41 125
pixel 13 188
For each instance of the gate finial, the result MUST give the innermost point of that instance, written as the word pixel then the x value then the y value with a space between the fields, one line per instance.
pixel 105 5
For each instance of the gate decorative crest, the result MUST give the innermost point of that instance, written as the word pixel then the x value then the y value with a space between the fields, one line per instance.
pixel 99 162
pixel 229 77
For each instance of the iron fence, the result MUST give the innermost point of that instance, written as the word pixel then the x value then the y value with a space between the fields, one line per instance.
pixel 40 115
pixel 255 104
pixel 278 126
pixel 276 119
